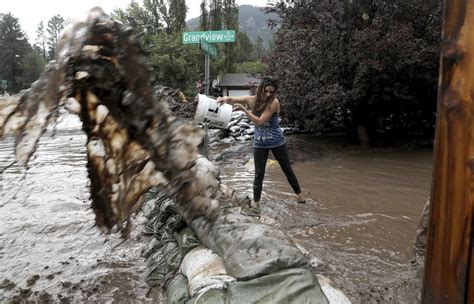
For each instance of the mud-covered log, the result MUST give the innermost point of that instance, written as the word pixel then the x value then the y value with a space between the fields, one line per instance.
pixel 134 141
pixel 449 275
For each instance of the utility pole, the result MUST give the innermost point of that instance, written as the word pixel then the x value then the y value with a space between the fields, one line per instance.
pixel 206 73
pixel 449 261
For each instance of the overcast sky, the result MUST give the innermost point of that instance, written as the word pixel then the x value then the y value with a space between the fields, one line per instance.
pixel 31 12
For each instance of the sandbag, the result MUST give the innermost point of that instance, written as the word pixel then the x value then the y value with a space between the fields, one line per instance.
pixel 248 247
pixel 212 296
pixel 186 239
pixel 295 285
pixel 204 270
pixel 177 291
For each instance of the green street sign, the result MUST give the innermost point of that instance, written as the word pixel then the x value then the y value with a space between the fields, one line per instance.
pixel 208 48
pixel 210 36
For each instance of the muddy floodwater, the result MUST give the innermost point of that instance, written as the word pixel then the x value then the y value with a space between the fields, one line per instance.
pixel 50 250
pixel 364 205
pixel 360 220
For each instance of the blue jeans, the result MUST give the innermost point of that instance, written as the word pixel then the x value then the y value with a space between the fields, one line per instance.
pixel 260 156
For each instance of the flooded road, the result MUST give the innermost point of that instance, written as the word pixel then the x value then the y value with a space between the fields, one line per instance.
pixel 49 249
pixel 363 209
pixel 360 220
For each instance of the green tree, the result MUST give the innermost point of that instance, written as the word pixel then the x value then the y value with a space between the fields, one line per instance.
pixel 230 22
pixel 14 47
pixel 55 26
pixel 246 48
pixel 230 14
pixel 138 17
pixel 259 47
pixel 177 11
pixel 346 64
pixel 40 41
pixel 170 13
pixel 204 18
pixel 154 10
pixel 175 65
pixel 33 65
pixel 251 67
pixel 215 15
pixel 20 64
pixel 155 16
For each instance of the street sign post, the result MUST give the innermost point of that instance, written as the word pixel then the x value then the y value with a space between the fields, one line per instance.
pixel 208 48
pixel 205 40
pixel 210 36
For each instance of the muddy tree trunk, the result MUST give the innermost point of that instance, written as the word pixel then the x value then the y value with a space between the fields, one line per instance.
pixel 449 270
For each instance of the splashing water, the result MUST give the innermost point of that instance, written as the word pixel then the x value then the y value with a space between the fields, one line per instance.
pixel 133 140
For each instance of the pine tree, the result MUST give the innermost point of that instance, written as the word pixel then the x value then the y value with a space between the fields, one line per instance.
pixel 204 18
pixel 259 47
pixel 177 12
pixel 246 48
pixel 215 15
pixel 13 48
pixel 55 26
pixel 19 64
pixel 231 15
pixel 138 17
pixel 154 9
pixel 40 41
pixel 231 22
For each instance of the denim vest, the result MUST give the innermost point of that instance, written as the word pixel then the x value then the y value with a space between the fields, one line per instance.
pixel 268 135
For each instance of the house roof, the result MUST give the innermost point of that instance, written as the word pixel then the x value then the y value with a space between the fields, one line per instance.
pixel 238 80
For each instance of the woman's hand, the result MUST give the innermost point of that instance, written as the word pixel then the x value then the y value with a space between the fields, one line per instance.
pixel 221 100
pixel 239 107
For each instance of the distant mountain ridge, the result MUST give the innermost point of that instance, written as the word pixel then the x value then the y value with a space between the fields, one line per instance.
pixel 252 20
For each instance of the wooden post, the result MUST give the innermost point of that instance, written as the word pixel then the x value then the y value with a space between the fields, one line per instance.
pixel 449 264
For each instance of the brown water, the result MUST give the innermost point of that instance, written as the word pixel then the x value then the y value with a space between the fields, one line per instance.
pixel 363 208
pixel 49 249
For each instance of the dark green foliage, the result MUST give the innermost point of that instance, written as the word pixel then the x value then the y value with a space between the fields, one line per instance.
pixel 230 22
pixel 177 10
pixel 251 67
pixel 246 48
pixel 159 25
pixel 181 66
pixel 153 14
pixel 349 63
pixel 215 15
pixel 230 14
pixel 55 25
pixel 204 18
pixel 176 65
pixel 142 20
pixel 40 42
pixel 20 64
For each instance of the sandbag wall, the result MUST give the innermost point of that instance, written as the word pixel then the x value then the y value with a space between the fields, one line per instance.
pixel 231 258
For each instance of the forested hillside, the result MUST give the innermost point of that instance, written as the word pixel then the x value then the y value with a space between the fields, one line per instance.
pixel 253 21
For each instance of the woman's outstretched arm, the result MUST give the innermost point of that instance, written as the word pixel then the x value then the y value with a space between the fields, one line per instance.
pixel 244 100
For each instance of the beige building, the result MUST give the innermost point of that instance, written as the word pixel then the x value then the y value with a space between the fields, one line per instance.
pixel 237 84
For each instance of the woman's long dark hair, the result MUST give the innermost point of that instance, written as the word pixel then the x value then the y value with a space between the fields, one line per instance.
pixel 260 105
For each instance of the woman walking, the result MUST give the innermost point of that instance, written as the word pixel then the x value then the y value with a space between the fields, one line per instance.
pixel 264 112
